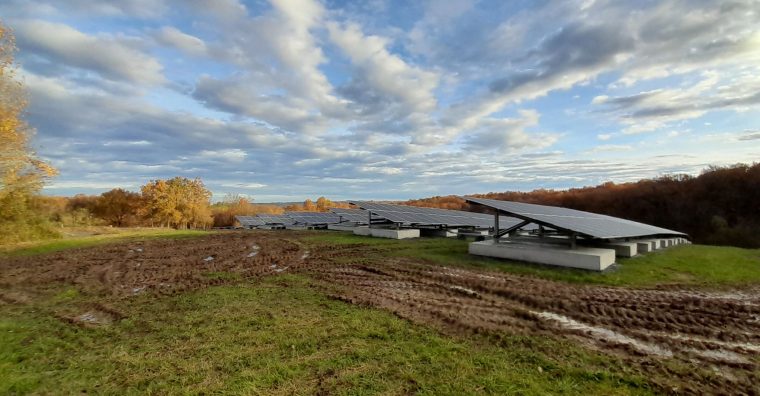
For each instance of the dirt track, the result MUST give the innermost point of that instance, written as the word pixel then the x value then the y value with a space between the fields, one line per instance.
pixel 715 337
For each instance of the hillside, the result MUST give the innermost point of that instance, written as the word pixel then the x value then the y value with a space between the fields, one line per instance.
pixel 721 206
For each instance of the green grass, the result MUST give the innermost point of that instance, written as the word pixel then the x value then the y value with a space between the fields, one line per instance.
pixel 279 336
pixel 52 245
pixel 698 265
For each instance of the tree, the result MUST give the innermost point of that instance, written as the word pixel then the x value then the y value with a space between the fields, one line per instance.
pixel 178 202
pixel 308 206
pixel 322 204
pixel 118 207
pixel 21 173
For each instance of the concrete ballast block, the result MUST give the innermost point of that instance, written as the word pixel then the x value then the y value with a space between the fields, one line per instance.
pixel 364 231
pixel 623 249
pixel 403 233
pixel 342 227
pixel 644 246
pixel 595 259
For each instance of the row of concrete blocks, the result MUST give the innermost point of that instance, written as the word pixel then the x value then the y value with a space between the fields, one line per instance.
pixel 402 233
pixel 596 258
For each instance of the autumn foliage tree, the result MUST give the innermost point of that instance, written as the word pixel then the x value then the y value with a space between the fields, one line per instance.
pixel 118 207
pixel 178 202
pixel 21 173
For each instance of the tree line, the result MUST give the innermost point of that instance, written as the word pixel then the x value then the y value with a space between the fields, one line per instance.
pixel 720 206
pixel 232 205
pixel 178 203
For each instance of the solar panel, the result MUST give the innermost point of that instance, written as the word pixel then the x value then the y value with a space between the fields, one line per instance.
pixel 312 218
pixel 249 221
pixel 413 215
pixel 276 219
pixel 352 215
pixel 589 224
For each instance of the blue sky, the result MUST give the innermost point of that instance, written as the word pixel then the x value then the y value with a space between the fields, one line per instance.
pixel 290 99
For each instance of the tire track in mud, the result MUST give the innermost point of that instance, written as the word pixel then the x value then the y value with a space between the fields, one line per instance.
pixel 162 266
pixel 717 335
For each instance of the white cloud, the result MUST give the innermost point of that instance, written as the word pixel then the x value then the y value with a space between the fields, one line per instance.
pixel 384 72
pixel 173 37
pixel 111 57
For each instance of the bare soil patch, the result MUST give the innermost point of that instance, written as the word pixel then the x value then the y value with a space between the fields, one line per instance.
pixel 685 341
pixel 163 266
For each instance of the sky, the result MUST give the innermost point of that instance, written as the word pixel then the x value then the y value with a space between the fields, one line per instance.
pixel 287 99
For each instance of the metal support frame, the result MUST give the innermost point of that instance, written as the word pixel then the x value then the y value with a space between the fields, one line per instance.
pixel 512 229
pixel 496 226
pixel 573 240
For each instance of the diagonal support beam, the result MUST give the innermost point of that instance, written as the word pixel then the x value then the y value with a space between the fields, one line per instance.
pixel 501 233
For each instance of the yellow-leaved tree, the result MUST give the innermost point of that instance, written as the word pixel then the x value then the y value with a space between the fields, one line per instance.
pixel 178 202
pixel 22 174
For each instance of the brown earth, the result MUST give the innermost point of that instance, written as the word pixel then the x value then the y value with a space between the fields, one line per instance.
pixel 684 341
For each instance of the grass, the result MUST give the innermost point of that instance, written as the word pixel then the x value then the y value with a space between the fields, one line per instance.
pixel 52 245
pixel 696 265
pixel 278 336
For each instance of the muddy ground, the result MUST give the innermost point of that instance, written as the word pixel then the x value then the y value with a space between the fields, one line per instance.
pixel 683 341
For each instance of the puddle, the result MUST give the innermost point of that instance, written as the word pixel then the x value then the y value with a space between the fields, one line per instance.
pixel 739 345
pixel 464 290
pixel 720 355
pixel 92 318
pixel 606 334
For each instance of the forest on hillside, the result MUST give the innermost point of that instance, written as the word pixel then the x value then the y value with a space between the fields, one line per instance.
pixel 720 206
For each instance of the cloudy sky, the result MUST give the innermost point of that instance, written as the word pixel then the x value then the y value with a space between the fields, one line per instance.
pixel 287 99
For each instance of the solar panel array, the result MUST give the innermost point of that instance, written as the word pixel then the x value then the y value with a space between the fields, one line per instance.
pixel 313 218
pixel 249 221
pixel 351 215
pixel 589 224
pixel 276 219
pixel 413 215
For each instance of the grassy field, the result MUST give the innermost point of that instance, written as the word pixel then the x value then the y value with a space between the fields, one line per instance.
pixel 278 336
pixel 112 236
pixel 697 265
pixel 283 335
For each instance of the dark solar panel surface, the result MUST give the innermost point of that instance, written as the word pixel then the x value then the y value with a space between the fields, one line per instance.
pixel 413 215
pixel 276 219
pixel 249 221
pixel 351 215
pixel 313 217
pixel 591 224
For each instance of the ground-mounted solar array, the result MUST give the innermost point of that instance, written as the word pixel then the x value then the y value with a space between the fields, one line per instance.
pixel 249 221
pixel 357 216
pixel 591 225
pixel 276 219
pixel 313 218
pixel 413 215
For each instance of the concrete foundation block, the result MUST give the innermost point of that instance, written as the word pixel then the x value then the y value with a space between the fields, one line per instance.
pixel 623 249
pixel 438 233
pixel 595 259
pixel 644 246
pixel 341 227
pixel 364 231
pixel 403 233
